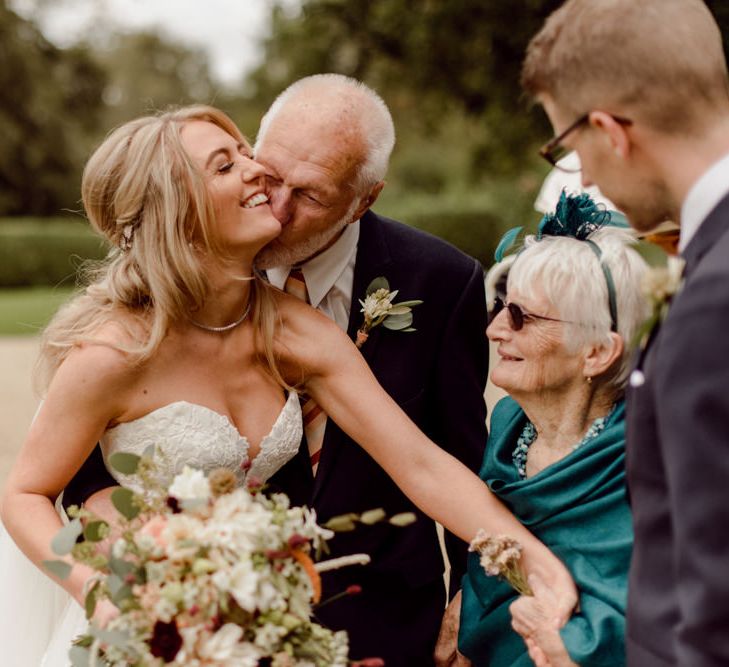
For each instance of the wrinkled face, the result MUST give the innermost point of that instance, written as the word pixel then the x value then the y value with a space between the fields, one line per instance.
pixel 309 177
pixel 243 219
pixel 534 360
pixel 626 181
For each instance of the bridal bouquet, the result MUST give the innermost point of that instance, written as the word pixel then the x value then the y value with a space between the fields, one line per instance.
pixel 202 573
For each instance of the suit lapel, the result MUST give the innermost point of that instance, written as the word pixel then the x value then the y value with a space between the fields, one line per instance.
pixel 373 260
pixel 707 235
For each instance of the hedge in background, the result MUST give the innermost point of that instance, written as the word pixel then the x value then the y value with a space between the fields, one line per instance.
pixel 45 251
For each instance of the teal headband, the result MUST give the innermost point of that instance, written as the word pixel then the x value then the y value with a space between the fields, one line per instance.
pixel 576 216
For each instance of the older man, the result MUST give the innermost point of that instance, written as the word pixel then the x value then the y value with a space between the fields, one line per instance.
pixel 325 144
pixel 640 91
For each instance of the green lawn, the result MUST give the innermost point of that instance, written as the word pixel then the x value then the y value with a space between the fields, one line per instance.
pixel 26 310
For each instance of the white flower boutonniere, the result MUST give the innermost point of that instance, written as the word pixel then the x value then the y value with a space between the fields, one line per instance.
pixel 660 286
pixel 378 308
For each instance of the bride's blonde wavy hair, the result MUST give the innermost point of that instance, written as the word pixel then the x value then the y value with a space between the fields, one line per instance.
pixel 140 183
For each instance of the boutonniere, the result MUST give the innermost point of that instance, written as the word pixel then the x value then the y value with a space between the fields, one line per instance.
pixel 660 285
pixel 379 308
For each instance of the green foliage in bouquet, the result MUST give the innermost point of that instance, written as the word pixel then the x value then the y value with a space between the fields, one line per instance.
pixel 204 571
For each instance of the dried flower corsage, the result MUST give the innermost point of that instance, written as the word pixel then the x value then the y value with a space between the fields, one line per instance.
pixel 378 308
pixel 660 284
pixel 500 556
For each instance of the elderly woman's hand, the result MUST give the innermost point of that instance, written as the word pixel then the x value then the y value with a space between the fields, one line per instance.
pixel 534 618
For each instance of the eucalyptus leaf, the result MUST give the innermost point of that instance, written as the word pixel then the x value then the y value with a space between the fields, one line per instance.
pixel 90 601
pixel 65 538
pixel 372 516
pixel 124 593
pixel 408 330
pixel 123 500
pixel 398 322
pixel 113 637
pixel 124 462
pixel 79 656
pixel 403 519
pixel 378 283
pixel 410 304
pixel 121 568
pixel 57 568
pixel 114 583
pixel 398 309
pixel 95 531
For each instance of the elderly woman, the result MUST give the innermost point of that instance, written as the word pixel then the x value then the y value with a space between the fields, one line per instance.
pixel 556 450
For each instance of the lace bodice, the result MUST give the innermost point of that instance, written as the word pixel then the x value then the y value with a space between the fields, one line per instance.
pixel 191 434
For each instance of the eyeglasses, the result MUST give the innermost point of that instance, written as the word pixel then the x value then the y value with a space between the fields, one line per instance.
pixel 518 317
pixel 554 152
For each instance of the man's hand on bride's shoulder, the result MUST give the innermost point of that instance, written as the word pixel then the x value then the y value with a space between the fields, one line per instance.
pixel 446 649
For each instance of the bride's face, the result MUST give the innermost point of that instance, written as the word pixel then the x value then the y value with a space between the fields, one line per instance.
pixel 243 220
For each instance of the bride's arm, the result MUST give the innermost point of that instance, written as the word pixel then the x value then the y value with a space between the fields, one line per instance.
pixel 340 380
pixel 83 397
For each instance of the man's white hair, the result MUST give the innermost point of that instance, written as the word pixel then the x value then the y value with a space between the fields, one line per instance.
pixel 569 275
pixel 374 121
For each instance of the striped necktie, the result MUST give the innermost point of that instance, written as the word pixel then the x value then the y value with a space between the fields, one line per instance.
pixel 315 419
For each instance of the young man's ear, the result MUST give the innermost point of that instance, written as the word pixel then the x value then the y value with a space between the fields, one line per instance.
pixel 614 131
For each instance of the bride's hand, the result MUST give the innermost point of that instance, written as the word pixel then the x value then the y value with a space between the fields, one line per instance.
pixel 557 589
pixel 105 611
pixel 533 617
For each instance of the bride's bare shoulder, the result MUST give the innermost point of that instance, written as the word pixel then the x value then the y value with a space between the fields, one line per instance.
pixel 299 321
pixel 109 350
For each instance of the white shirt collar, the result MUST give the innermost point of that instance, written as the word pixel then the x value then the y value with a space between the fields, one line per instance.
pixel 322 271
pixel 702 198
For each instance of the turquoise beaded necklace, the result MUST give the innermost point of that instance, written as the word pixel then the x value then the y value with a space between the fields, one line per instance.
pixel 529 435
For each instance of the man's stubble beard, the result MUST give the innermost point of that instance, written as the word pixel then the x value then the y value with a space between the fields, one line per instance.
pixel 276 254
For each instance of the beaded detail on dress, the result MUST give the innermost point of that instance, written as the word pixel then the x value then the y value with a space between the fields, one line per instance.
pixel 194 435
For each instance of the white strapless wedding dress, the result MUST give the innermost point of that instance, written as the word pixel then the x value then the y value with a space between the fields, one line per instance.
pixel 38 619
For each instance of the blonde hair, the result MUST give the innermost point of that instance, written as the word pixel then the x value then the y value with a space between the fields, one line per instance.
pixel 140 185
pixel 657 61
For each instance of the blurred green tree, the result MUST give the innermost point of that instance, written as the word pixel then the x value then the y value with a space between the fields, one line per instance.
pixel 50 103
pixel 147 73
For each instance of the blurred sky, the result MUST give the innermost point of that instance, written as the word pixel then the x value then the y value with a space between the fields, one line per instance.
pixel 230 31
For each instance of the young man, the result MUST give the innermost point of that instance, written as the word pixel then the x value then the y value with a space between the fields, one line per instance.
pixel 640 91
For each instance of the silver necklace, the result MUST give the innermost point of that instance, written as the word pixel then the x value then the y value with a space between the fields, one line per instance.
pixel 225 327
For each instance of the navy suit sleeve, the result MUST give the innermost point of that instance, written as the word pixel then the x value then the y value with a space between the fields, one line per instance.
pixel 90 478
pixel 462 369
pixel 693 421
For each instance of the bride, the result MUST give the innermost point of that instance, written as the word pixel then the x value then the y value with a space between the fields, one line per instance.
pixel 178 343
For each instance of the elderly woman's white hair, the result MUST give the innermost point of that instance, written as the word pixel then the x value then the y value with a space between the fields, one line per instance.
pixel 568 273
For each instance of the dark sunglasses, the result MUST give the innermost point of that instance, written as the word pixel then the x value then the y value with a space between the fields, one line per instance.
pixel 518 317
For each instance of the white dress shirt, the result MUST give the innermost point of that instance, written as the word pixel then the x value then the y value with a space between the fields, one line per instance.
pixel 329 276
pixel 703 196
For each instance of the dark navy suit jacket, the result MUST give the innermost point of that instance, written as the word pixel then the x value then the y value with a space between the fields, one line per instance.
pixel 437 375
pixel 678 470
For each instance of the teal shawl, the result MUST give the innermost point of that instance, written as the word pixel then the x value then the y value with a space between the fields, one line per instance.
pixel 578 508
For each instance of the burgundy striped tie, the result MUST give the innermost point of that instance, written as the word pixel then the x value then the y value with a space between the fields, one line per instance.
pixel 315 419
